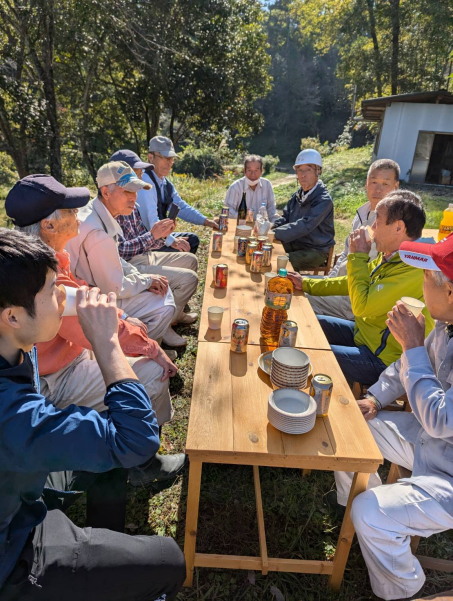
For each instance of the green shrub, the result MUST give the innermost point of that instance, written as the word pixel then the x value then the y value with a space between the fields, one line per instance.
pixel 202 162
pixel 323 148
pixel 270 164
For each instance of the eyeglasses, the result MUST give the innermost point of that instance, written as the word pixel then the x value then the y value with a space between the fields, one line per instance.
pixel 305 171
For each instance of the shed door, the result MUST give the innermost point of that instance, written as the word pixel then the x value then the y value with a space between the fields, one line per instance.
pixel 421 157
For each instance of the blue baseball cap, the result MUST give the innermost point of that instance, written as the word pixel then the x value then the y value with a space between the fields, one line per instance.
pixel 35 197
pixel 131 158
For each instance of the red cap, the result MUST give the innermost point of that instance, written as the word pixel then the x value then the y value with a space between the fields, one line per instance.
pixel 438 257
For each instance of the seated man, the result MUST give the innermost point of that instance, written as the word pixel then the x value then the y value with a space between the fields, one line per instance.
pixel 162 155
pixel 383 177
pixel 138 246
pixel 68 372
pixel 95 258
pixel 365 347
pixel 385 517
pixel 257 189
pixel 306 228
pixel 43 555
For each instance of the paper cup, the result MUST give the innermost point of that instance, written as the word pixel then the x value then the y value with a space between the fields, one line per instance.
pixel 215 315
pixel 413 305
pixel 70 305
pixel 282 262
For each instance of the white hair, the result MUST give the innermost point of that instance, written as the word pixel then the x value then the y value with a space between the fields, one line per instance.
pixel 35 228
pixel 440 278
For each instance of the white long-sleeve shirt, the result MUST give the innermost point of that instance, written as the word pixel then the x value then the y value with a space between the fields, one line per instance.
pixel 262 193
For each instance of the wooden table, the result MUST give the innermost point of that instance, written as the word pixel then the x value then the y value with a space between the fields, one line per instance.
pixel 228 424
pixel 244 297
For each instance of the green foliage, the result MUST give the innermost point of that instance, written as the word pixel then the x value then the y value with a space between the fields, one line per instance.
pixel 315 143
pixel 200 162
pixel 270 164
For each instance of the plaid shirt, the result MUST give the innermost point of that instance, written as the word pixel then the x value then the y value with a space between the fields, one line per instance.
pixel 136 239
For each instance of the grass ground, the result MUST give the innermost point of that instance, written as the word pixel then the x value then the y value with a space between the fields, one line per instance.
pixel 299 523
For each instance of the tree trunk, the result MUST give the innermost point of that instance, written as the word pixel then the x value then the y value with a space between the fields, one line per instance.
pixel 377 52
pixel 394 69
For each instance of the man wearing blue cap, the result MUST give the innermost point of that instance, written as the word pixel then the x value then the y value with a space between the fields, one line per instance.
pixel 385 517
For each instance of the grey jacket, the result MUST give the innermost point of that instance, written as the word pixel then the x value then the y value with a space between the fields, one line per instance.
pixel 425 374
pixel 307 224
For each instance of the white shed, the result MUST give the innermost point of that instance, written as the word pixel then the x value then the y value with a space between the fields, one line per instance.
pixel 416 131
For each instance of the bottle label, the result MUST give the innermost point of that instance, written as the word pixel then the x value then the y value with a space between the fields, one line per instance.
pixel 445 228
pixel 241 222
pixel 278 300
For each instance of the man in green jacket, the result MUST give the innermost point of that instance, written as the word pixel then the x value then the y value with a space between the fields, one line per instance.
pixel 364 348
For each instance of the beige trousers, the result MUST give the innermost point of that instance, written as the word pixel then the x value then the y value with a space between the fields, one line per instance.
pixel 81 383
pixel 179 268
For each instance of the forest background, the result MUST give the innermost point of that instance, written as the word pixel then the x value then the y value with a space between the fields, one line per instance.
pixel 81 78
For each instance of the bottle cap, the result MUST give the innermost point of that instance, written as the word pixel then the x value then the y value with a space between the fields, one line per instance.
pixel 282 273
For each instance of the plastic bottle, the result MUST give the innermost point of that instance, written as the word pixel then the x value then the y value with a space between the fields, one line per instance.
pixel 277 301
pixel 446 224
pixel 262 211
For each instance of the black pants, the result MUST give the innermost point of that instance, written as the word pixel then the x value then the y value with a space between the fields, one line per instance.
pixel 192 239
pixel 62 562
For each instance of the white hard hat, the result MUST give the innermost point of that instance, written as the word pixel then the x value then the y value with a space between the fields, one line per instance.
pixel 309 156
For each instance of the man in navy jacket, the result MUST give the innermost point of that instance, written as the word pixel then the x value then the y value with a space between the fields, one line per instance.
pixel 306 228
pixel 43 555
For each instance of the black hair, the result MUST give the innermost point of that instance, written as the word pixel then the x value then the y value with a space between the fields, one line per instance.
pixel 406 206
pixel 24 263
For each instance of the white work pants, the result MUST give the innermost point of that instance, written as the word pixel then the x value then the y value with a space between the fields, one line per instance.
pixel 81 383
pixel 386 516
pixel 156 312
pixel 179 268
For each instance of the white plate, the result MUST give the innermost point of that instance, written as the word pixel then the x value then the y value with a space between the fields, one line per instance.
pixel 265 363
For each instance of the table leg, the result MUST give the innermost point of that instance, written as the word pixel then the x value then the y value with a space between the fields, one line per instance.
pixel 260 520
pixel 359 484
pixel 193 500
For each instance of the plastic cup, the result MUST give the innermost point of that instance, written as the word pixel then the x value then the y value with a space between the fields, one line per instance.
pixel 267 277
pixel 215 315
pixel 70 305
pixel 413 305
pixel 369 233
pixel 270 236
pixel 282 262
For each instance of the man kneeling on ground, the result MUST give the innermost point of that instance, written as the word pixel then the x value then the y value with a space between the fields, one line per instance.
pixel 43 555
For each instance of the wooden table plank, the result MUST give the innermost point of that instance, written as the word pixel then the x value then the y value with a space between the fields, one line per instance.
pixel 244 297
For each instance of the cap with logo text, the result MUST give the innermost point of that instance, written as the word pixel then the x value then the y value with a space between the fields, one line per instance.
pixel 437 257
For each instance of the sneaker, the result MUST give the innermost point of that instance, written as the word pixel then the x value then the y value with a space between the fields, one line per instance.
pixel 188 318
pixel 171 354
pixel 172 339
pixel 157 469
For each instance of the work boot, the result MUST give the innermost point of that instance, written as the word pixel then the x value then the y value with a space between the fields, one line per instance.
pixel 171 354
pixel 172 339
pixel 158 469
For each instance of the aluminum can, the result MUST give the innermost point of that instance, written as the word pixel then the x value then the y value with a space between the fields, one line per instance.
pixel 223 223
pixel 288 334
pixel 217 238
pixel 261 240
pixel 252 239
pixel 251 247
pixel 221 275
pixel 239 335
pixel 250 216
pixel 242 246
pixel 225 211
pixel 267 252
pixel 321 391
pixel 235 244
pixel 256 262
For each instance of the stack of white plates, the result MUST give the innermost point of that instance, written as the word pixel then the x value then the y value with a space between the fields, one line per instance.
pixel 291 411
pixel 243 230
pixel 290 368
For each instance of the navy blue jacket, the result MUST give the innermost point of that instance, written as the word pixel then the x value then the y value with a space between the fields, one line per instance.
pixel 308 224
pixel 37 438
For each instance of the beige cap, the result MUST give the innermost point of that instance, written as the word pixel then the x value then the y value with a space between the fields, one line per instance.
pixel 119 173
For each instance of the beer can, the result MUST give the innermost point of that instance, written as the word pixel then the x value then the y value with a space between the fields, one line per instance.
pixel 321 391
pixel 256 262
pixel 242 246
pixel 225 211
pixel 223 223
pixel 252 239
pixel 251 247
pixel 217 238
pixel 250 216
pixel 261 240
pixel 288 334
pixel 267 254
pixel 239 335
pixel 235 244
pixel 221 275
